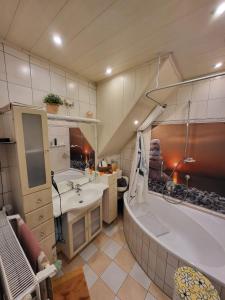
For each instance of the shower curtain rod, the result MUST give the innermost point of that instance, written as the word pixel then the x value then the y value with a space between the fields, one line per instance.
pixel 147 94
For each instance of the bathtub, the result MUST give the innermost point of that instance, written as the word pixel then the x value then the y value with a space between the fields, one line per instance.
pixel 163 236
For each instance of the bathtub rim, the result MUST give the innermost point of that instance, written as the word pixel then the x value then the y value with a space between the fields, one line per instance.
pixel 190 205
pixel 162 244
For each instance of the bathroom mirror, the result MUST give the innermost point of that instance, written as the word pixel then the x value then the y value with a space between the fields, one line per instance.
pixel 82 155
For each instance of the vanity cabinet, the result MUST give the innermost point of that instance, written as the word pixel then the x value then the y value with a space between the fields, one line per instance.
pixel 29 169
pixel 79 228
pixel 109 200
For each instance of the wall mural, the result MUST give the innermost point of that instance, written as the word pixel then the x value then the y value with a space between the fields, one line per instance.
pixel 198 178
pixel 82 155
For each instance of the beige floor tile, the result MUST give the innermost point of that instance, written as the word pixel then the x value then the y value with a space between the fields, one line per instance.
pixel 101 240
pixel 99 262
pixel 125 260
pixel 69 266
pixel 100 291
pixel 157 293
pixel 119 237
pixel 131 290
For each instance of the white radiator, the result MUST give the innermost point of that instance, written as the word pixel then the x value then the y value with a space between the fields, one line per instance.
pixel 18 278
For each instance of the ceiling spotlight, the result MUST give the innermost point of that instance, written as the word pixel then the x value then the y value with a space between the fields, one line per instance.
pixel 218 65
pixel 220 10
pixel 136 122
pixel 108 71
pixel 57 40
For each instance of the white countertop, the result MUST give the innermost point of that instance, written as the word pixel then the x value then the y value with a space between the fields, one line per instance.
pixel 68 204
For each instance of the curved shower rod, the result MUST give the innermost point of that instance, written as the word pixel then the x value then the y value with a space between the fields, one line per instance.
pixel 147 94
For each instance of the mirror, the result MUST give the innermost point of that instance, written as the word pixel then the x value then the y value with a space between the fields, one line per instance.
pixel 82 155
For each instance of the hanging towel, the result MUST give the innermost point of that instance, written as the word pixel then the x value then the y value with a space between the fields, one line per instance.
pixel 139 170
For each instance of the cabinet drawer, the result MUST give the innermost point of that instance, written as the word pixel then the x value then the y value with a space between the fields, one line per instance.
pixel 39 216
pixel 49 248
pixel 37 200
pixel 44 230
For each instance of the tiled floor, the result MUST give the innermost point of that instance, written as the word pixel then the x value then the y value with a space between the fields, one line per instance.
pixel 110 269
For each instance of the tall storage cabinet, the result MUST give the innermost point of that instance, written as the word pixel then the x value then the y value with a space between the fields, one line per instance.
pixel 30 172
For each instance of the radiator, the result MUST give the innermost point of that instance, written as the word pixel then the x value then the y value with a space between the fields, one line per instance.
pixel 18 278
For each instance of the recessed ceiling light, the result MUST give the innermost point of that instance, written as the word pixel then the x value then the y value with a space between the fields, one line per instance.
pixel 57 39
pixel 220 10
pixel 218 65
pixel 108 71
pixel 136 122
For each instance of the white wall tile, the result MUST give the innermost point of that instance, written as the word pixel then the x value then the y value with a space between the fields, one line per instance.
pixel 57 70
pixel 2 67
pixel 40 78
pixel 200 91
pixel 199 110
pixel 20 94
pixel 216 108
pixel 184 93
pixel 4 100
pixel 15 52
pixel 92 96
pixel 84 108
pixel 18 70
pixel 83 93
pixel 71 89
pixel 217 89
pixel 58 84
pixel 39 62
pixel 38 97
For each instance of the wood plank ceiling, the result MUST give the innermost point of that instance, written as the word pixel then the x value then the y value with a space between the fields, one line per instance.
pixel 117 33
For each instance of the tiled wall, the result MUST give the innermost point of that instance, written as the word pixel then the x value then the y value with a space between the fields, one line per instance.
pixel 27 79
pixel 207 104
pixel 126 157
pixel 156 261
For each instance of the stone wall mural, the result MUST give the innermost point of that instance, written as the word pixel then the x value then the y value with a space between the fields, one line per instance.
pixel 202 181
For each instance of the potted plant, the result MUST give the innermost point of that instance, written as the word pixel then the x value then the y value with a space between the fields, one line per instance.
pixel 52 102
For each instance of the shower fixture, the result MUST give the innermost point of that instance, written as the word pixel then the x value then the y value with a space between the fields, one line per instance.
pixel 187 159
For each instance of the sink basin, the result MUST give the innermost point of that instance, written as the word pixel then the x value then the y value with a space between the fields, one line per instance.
pixel 82 199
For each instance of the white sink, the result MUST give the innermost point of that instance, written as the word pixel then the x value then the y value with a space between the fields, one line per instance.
pixel 81 200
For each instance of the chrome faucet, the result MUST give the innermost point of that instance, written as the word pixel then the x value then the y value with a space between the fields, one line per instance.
pixel 78 188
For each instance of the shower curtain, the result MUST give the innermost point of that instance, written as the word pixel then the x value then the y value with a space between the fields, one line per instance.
pixel 139 171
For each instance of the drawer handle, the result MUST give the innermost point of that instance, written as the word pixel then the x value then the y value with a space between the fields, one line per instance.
pixel 39 200
pixel 40 217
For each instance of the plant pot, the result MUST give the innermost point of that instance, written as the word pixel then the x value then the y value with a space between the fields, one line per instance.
pixel 52 108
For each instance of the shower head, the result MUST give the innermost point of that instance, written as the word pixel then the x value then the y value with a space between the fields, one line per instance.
pixel 189 160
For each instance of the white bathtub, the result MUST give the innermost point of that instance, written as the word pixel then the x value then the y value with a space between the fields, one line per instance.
pixel 190 235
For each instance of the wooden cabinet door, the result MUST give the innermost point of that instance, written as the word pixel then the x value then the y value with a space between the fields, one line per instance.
pixel 95 220
pixel 32 147
pixel 78 232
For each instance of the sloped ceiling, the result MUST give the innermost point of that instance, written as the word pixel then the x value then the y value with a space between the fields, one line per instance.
pixel 119 33
pixel 122 132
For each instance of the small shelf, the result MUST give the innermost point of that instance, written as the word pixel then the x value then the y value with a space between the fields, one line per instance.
pixel 57 146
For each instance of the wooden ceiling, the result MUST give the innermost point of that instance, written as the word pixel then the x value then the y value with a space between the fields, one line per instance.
pixel 117 33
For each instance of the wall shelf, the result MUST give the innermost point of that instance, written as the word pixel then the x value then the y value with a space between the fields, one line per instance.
pixel 57 146
pixel 7 143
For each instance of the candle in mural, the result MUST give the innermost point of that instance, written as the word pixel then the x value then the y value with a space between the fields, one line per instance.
pixel 175 177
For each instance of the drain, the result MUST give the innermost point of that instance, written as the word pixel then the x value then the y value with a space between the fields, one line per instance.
pixel 81 201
